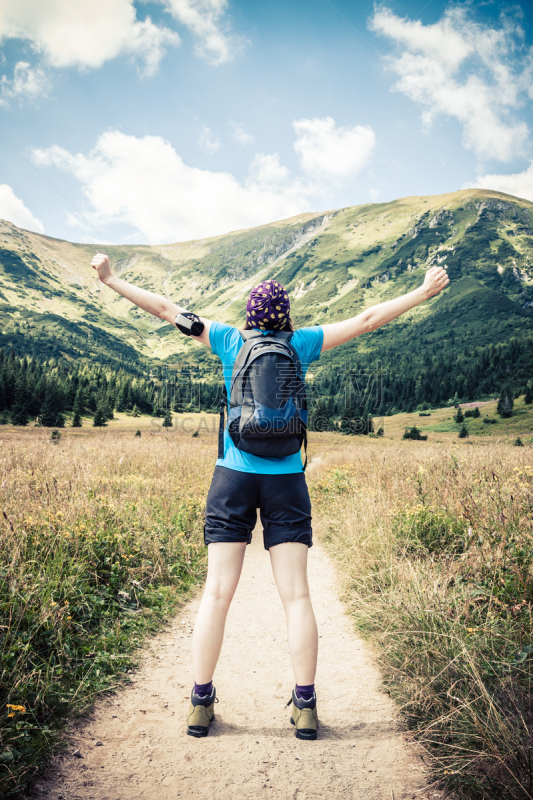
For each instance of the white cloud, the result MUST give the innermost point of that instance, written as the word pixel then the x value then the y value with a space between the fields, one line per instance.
pixel 13 209
pixel 465 70
pixel 520 184
pixel 144 183
pixel 207 141
pixel 26 83
pixel 330 151
pixel 205 20
pixel 73 34
pixel 240 135
pixel 66 33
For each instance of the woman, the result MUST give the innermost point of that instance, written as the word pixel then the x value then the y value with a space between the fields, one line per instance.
pixel 243 482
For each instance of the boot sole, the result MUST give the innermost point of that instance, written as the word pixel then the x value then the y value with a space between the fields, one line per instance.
pixel 305 733
pixel 197 731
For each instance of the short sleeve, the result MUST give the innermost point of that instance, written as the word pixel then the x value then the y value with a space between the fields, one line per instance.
pixel 223 339
pixel 308 344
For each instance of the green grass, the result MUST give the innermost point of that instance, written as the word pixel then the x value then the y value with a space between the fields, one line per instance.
pixel 435 543
pixel 95 555
pixel 362 241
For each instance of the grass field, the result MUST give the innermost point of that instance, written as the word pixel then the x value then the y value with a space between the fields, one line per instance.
pixel 435 544
pixel 101 539
pixel 438 424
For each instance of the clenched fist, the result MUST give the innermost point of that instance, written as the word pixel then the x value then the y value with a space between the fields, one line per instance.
pixel 101 264
pixel 436 279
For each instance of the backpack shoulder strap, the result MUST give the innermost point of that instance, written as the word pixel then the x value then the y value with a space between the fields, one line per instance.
pixel 222 424
pixel 286 337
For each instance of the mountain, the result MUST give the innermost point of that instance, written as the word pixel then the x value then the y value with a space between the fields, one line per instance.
pixel 333 263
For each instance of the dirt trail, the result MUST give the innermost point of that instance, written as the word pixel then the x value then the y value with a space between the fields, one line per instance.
pixel 251 751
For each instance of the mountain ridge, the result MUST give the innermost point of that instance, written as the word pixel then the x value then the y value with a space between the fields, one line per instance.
pixel 333 263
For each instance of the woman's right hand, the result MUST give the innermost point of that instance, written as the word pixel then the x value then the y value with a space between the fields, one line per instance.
pixel 101 264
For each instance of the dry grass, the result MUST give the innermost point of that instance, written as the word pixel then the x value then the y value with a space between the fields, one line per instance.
pixel 435 543
pixel 102 534
pixel 99 538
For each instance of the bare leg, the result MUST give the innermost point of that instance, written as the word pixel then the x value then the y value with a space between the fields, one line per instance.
pixel 289 565
pixel 224 570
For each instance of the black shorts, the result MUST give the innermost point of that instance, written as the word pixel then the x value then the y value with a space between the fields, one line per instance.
pixel 233 500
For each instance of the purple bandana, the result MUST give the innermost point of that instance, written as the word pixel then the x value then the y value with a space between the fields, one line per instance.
pixel 268 306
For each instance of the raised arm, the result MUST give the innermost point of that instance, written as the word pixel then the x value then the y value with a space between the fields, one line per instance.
pixel 436 279
pixel 155 304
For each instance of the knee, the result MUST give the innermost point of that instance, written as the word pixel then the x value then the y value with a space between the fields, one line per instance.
pixel 217 593
pixel 294 595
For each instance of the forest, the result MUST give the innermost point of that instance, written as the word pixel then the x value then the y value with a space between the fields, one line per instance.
pixel 54 392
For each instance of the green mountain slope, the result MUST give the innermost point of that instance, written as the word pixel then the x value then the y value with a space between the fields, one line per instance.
pixel 334 264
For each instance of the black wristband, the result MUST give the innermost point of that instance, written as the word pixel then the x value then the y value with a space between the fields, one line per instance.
pixel 189 324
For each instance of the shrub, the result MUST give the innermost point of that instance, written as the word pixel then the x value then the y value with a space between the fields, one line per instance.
pixel 431 530
pixel 414 433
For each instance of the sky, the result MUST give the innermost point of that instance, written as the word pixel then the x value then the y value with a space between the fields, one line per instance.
pixel 173 120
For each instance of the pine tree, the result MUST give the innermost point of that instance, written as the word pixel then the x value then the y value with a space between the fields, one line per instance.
pixel 349 421
pixel 76 419
pixel 19 410
pixel 505 404
pixel 121 398
pixel 518 442
pixel 528 398
pixel 79 400
pixel 459 416
pixel 50 414
pixel 106 410
pixel 135 411
pixel 167 422
pixel 138 433
pixel 476 413
pixel 99 420
pixel 463 433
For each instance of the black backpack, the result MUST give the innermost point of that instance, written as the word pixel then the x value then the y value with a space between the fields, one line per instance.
pixel 267 404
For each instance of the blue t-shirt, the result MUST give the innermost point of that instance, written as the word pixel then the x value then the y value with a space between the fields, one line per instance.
pixel 226 342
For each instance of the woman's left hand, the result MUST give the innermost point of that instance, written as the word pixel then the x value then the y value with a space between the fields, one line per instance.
pixel 435 281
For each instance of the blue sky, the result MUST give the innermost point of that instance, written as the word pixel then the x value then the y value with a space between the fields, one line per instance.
pixel 165 121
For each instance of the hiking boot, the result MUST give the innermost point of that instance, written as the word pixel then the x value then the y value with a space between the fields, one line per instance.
pixel 201 712
pixel 304 716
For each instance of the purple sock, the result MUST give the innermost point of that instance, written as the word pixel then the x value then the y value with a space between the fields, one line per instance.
pixel 203 689
pixel 305 692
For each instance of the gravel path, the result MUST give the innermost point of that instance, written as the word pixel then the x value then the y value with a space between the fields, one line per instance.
pixel 251 751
